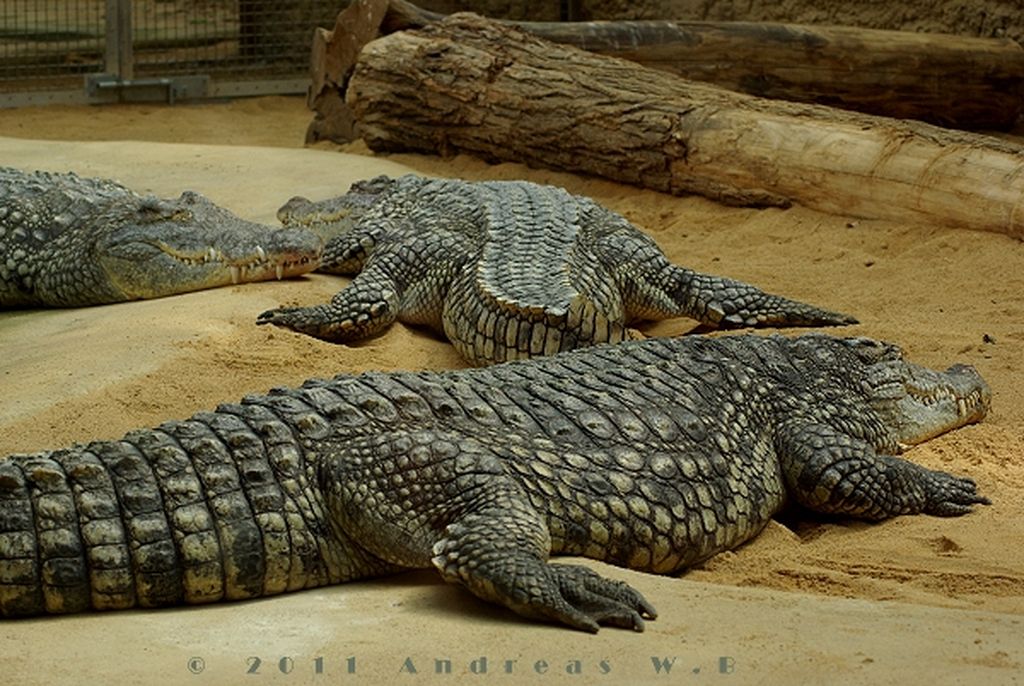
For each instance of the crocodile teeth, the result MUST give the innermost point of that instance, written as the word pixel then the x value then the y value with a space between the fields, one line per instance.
pixel 280 271
pixel 236 274
pixel 211 254
pixel 261 252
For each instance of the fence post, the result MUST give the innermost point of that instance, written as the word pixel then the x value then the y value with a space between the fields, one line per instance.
pixel 119 60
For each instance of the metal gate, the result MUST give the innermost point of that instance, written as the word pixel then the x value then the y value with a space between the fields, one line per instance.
pixel 77 51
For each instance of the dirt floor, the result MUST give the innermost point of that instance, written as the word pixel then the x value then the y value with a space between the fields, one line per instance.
pixel 912 600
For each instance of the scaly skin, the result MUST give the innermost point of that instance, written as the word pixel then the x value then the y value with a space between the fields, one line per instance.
pixel 652 455
pixel 507 270
pixel 67 241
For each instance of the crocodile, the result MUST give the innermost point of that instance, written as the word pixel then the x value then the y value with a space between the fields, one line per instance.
pixel 506 270
pixel 649 454
pixel 69 241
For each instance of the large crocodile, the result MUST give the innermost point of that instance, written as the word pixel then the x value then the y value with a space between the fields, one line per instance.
pixel 68 241
pixel 506 270
pixel 653 455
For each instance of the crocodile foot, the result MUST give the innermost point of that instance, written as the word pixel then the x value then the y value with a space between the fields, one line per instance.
pixel 947 495
pixel 589 601
pixel 315 321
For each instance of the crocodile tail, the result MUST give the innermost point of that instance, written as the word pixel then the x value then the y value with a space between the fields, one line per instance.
pixel 216 507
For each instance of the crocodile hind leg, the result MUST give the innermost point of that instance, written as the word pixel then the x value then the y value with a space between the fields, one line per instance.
pixel 655 289
pixel 511 569
pixel 435 498
pixel 831 472
pixel 725 303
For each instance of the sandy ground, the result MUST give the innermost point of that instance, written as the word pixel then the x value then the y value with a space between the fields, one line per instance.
pixel 913 600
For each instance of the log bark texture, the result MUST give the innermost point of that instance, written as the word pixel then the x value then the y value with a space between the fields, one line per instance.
pixel 956 81
pixel 470 84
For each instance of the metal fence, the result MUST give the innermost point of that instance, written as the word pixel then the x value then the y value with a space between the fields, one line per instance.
pixel 118 50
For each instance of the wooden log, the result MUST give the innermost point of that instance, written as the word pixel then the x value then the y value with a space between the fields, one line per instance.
pixel 892 73
pixel 470 84
pixel 334 55
pixel 955 81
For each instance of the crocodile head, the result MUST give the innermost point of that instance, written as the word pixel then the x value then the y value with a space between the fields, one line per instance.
pixel 162 247
pixel 914 402
pixel 330 218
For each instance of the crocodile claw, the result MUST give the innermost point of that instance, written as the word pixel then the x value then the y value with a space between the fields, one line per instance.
pixel 951 496
pixel 592 601
pixel 281 316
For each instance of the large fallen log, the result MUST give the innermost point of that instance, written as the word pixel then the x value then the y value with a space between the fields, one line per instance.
pixel 470 84
pixel 892 73
pixel 956 81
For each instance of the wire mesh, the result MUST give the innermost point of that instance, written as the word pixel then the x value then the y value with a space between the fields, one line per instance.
pixel 240 38
pixel 50 44
pixel 46 44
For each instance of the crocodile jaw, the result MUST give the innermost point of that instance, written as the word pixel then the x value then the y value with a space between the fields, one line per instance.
pixel 163 247
pixel 335 216
pixel 154 269
pixel 918 403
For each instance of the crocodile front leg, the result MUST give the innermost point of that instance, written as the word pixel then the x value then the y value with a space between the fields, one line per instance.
pixel 831 472
pixel 367 307
pixel 400 281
